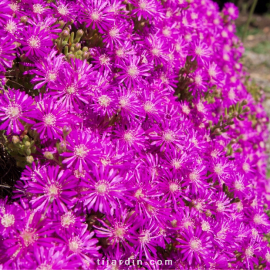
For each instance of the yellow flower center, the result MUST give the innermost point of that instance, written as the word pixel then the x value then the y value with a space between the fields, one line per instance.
pixel 104 101
pixel 34 42
pixel 195 244
pixel 101 187
pixel 81 151
pixel 174 187
pixel 133 71
pixel 13 111
pixel 7 220
pixel 49 120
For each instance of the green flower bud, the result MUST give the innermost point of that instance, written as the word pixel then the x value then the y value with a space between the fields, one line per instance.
pixel 77 46
pixel 244 102
pixel 15 139
pixel 28 152
pixel 246 109
pixel 79 52
pixel 48 155
pixel 79 33
pixel 25 138
pixel 27 144
pixel 62 24
pixel 70 56
pixel 85 49
pixel 85 55
pixel 29 159
pixel 65 33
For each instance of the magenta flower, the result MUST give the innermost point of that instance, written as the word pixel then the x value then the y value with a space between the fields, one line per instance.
pixel 15 108
pixel 169 136
pixel 54 189
pixel 65 10
pixel 146 240
pixel 7 53
pixel 36 41
pixel 54 258
pixel 81 247
pixel 11 217
pixel 129 104
pixel 51 119
pixel 47 70
pixel 195 246
pixel 82 149
pixel 231 11
pixel 105 103
pixel 132 71
pixel 146 9
pixel 96 14
pixel 118 231
pixel 131 138
pixel 35 232
pixel 104 190
pixel 115 36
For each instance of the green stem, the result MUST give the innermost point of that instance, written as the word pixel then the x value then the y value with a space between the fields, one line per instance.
pixel 249 19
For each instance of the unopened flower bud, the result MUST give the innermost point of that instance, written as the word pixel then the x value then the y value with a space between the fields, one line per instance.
pixel 25 138
pixel 29 159
pixel 244 102
pixel 62 23
pixel 85 55
pixel 15 139
pixel 23 57
pixel 65 33
pixel 85 49
pixel 28 152
pixel 48 155
pixel 79 33
pixel 246 109
pixel 78 46
pixel 70 56
pixel 27 144
pixel 217 131
pixel 24 19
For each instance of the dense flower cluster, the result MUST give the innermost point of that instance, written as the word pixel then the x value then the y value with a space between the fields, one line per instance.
pixel 140 137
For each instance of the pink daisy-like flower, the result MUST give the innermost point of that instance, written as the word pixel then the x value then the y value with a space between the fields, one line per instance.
pixel 52 117
pixel 118 231
pixel 129 105
pixel 132 71
pixel 201 52
pixel 148 9
pixel 47 70
pixel 81 247
pixel 7 53
pixel 168 136
pixel 131 138
pixel 103 190
pixel 54 188
pixel 195 245
pixel 104 103
pixel 96 14
pixel 231 11
pixel 82 150
pixel 15 107
pixel 36 41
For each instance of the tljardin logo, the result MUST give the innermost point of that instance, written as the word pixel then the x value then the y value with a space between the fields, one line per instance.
pixel 130 138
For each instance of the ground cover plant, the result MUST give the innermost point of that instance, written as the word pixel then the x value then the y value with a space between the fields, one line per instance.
pixel 129 130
